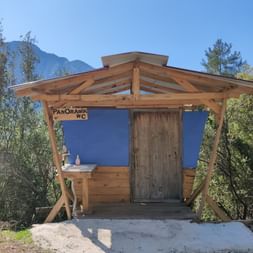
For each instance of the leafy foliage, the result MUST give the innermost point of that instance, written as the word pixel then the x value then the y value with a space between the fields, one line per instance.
pixel 221 61
pixel 26 173
pixel 231 185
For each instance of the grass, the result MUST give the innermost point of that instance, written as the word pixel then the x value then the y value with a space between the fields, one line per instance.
pixel 24 236
pixel 17 242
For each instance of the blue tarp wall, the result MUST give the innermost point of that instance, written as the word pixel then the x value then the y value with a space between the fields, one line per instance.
pixel 103 139
pixel 193 129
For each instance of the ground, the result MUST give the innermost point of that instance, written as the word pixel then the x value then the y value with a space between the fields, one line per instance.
pixel 147 236
pixel 20 242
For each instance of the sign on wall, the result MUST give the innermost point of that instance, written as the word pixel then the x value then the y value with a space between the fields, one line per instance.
pixel 70 113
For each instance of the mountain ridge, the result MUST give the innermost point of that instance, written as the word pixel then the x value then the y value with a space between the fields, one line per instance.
pixel 49 65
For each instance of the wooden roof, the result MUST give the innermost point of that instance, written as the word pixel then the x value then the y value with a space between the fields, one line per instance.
pixel 145 81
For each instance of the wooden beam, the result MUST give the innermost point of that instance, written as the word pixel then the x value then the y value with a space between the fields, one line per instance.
pixel 193 75
pixel 168 81
pixel 172 106
pixel 129 104
pixel 118 77
pixel 77 78
pixel 145 97
pixel 235 92
pixel 136 82
pixel 85 195
pixel 89 89
pixel 163 88
pixel 152 89
pixel 82 87
pixel 191 88
pixel 56 209
pixel 52 137
pixel 114 86
pixel 147 100
pixel 212 160
pixel 196 192
pixel 217 210
pixel 117 89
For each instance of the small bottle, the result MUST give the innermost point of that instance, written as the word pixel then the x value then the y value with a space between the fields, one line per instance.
pixel 77 160
pixel 64 149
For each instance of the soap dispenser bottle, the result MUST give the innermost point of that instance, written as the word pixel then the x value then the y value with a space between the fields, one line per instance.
pixel 77 160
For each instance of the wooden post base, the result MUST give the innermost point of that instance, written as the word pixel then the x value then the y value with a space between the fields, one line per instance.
pixel 57 207
pixel 86 207
pixel 217 210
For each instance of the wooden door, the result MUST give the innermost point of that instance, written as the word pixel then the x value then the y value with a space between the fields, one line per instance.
pixel 156 163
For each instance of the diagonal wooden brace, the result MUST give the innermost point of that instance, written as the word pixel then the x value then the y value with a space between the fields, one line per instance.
pixel 217 210
pixel 52 137
pixel 196 193
pixel 56 209
pixel 212 161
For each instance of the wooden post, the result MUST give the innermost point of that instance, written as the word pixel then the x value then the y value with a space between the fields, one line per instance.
pixel 212 160
pixel 52 137
pixel 85 195
pixel 136 82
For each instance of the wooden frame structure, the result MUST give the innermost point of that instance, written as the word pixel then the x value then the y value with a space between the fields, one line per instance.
pixel 137 81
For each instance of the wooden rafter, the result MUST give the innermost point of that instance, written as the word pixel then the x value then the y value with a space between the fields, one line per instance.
pixel 165 81
pixel 212 160
pixel 52 137
pixel 82 87
pixel 114 86
pixel 202 81
pixel 152 89
pixel 118 77
pixel 75 79
pixel 160 87
pixel 191 88
pixel 236 92
pixel 118 89
pixel 169 72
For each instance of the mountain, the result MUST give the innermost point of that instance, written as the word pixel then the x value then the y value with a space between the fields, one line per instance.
pixel 49 65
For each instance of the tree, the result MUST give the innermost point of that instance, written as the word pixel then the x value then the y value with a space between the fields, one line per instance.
pixel 3 64
pixel 29 58
pixel 27 177
pixel 231 185
pixel 221 60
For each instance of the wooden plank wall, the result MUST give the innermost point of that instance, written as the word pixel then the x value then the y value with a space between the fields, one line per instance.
pixel 111 185
pixel 188 180
pixel 107 185
pixel 157 163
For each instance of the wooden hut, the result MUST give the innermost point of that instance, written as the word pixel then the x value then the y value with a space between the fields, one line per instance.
pixel 135 127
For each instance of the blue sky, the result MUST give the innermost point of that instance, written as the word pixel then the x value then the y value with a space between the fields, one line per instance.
pixel 87 30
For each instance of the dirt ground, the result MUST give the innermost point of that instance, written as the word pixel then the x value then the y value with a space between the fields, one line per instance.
pixel 143 236
pixel 12 246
